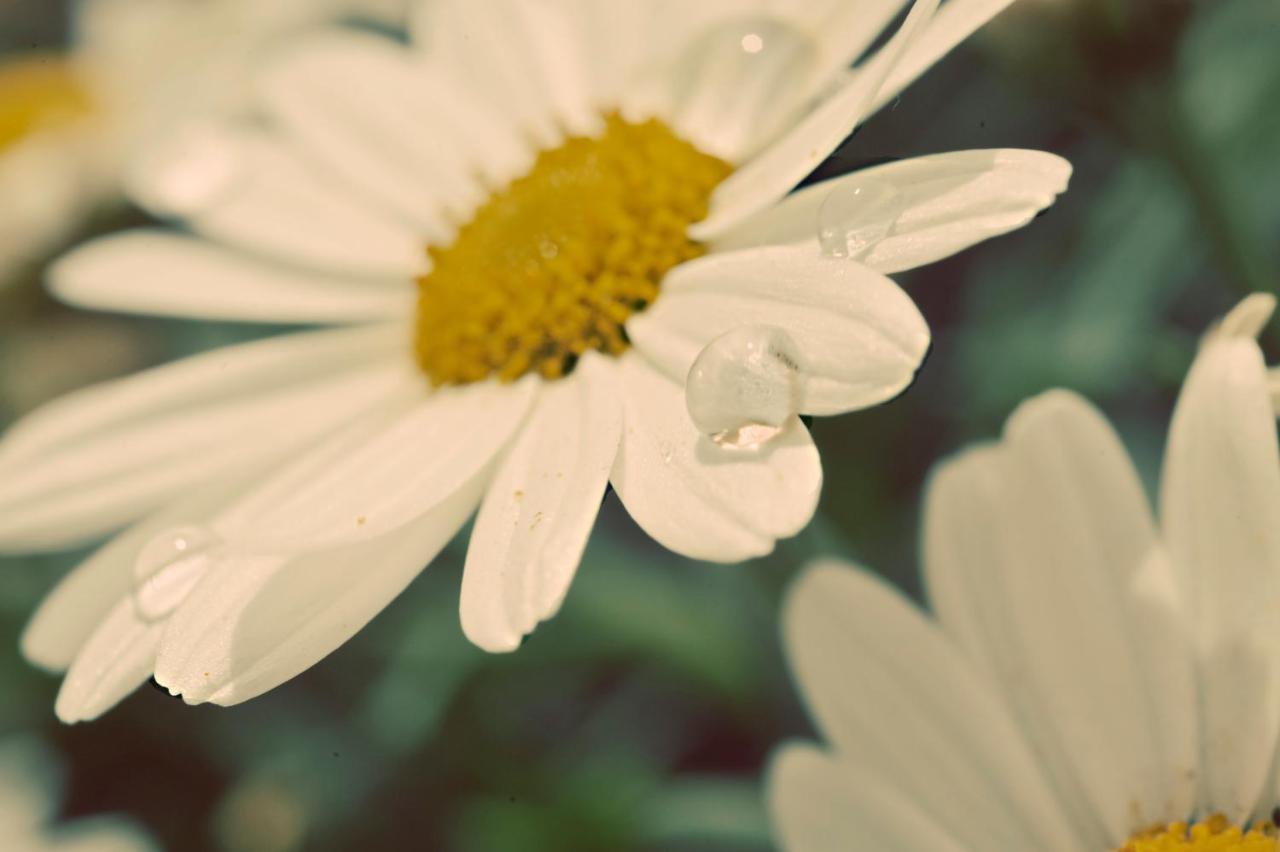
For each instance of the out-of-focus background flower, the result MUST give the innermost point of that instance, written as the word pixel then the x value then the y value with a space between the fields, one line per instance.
pixel 640 718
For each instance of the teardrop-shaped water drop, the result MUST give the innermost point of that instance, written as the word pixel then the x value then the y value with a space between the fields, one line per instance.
pixel 187 170
pixel 745 385
pixel 856 215
pixel 168 567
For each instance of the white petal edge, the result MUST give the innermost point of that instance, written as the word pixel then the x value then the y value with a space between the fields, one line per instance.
pixel 948 202
pixel 700 499
pixel 860 337
pixel 539 510
pixel 895 697
pixel 167 274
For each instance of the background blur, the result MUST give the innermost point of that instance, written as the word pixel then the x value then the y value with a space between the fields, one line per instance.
pixel 641 717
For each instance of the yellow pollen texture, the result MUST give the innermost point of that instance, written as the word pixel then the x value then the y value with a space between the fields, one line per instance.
pixel 553 265
pixel 37 92
pixel 1215 834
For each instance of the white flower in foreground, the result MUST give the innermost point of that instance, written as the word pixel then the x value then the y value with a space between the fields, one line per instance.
pixel 291 488
pixel 1096 678
pixel 68 121
pixel 28 798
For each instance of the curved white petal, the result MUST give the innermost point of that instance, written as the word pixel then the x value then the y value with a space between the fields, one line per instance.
pixel 860 337
pixel 520 56
pixel 698 498
pixel 1219 500
pixel 252 189
pixel 159 272
pixel 115 660
pixel 256 621
pixel 73 610
pixel 955 22
pixel 943 203
pixel 780 167
pixel 84 488
pixel 535 519
pixel 362 106
pixel 1042 559
pixel 387 469
pixel 898 700
pixel 821 803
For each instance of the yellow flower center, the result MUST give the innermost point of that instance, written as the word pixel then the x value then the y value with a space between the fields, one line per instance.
pixel 553 265
pixel 1215 834
pixel 39 92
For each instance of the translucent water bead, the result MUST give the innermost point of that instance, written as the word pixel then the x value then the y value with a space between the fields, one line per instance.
pixel 857 215
pixel 168 567
pixel 745 385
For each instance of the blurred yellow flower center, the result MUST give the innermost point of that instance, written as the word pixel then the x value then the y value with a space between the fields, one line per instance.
pixel 38 92
pixel 1215 834
pixel 553 265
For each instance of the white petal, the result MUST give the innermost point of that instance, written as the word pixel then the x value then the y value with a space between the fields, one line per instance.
pixel 360 105
pixel 823 803
pixel 696 497
pixel 384 471
pixel 860 336
pixel 156 272
pixel 772 174
pixel 1219 500
pixel 948 202
pixel 83 489
pixel 519 56
pixel 535 519
pixel 898 700
pixel 1042 559
pixel 114 661
pixel 254 190
pixel 72 611
pixel 955 22
pixel 255 622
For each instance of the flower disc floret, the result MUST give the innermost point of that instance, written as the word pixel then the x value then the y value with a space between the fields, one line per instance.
pixel 1215 834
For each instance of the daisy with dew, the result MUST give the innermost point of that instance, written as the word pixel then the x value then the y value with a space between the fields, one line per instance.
pixel 28 807
pixel 528 226
pixel 1097 678
pixel 68 121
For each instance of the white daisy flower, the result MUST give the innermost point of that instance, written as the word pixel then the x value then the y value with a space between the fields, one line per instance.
pixel 68 121
pixel 1098 678
pixel 29 784
pixel 530 224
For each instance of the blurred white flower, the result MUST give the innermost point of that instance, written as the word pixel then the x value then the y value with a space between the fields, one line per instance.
pixel 522 175
pixel 67 122
pixel 29 783
pixel 1097 678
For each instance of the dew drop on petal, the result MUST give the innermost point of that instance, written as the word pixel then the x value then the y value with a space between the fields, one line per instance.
pixel 187 171
pixel 855 216
pixel 745 385
pixel 168 567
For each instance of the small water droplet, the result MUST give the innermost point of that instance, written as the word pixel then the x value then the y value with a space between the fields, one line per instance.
pixel 187 170
pixel 856 215
pixel 745 385
pixel 168 567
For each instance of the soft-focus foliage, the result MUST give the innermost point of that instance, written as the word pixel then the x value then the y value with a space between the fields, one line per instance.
pixel 640 719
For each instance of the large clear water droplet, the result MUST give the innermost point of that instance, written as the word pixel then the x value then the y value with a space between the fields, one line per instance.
pixel 745 385
pixel 168 567
pixel 856 215
pixel 187 170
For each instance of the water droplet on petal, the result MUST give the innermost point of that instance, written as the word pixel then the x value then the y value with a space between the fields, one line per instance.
pixel 745 385
pixel 168 567
pixel 187 171
pixel 856 215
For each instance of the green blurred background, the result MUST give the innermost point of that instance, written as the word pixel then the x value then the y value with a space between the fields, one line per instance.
pixel 641 717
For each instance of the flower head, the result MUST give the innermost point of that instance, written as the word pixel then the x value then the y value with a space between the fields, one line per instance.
pixel 530 224
pixel 1097 677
